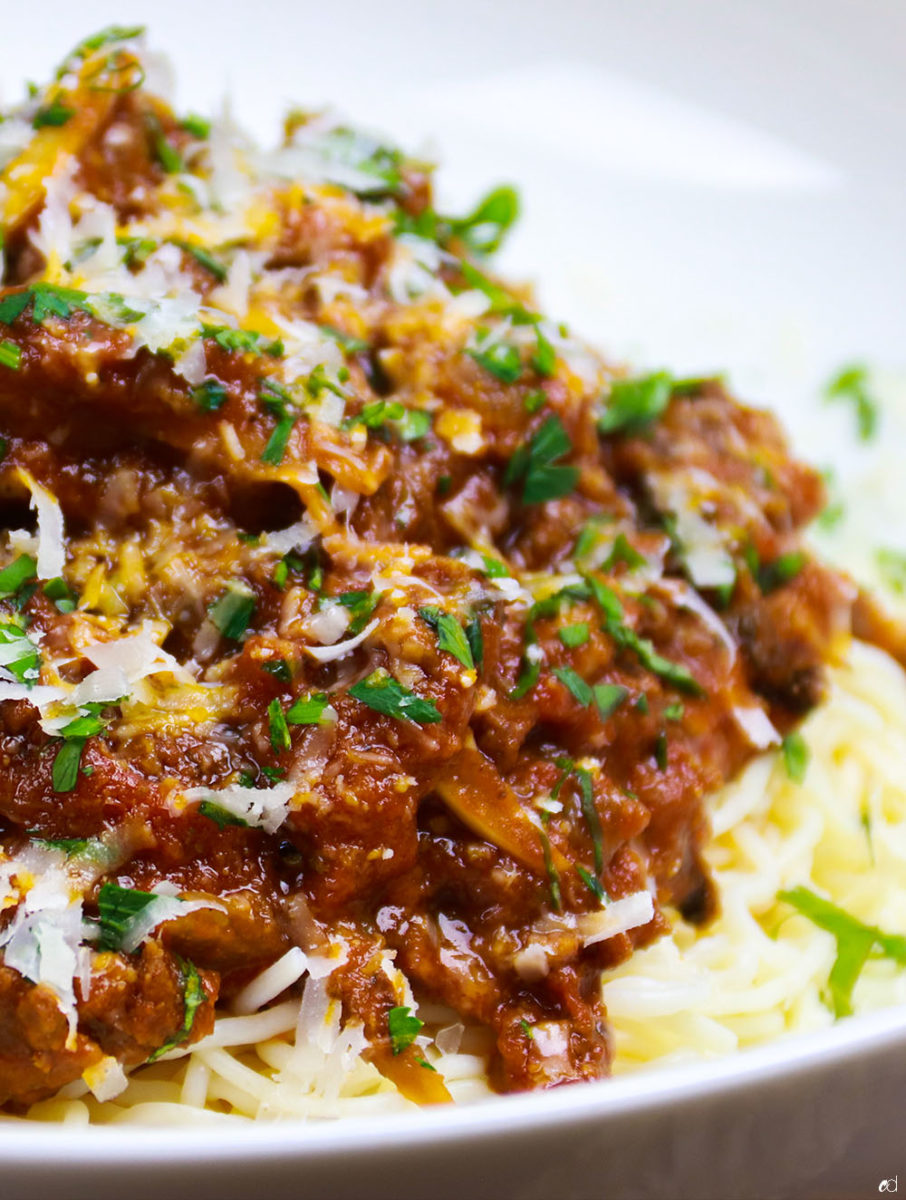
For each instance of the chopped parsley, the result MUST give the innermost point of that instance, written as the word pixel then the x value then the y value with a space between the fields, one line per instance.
pixel 484 228
pixel 475 638
pixel 233 611
pixel 608 698
pixel 553 875
pixel 782 570
pixel 403 1027
pixel 624 552
pixel 500 359
pixel 892 565
pixel 856 942
pixel 360 605
pixel 279 731
pixel 199 127
pixel 536 464
pixel 279 668
pixel 10 355
pixel 661 750
pixel 526 1028
pixel 575 684
pixel 63 597
pixel 210 395
pixel 635 403
pixel 850 385
pixel 241 341
pixel 221 817
pixel 116 908
pixel 450 634
pixel 795 751
pixel 275 449
pixel 68 759
pixel 308 710
pixel 193 996
pixel 347 343
pixel 204 258
pixel 534 400
pixel 18 654
pixel 574 635
pixel 544 358
pixel 593 885
pixel 590 813
pixel 17 573
pixel 54 114
pixel 381 692
pixel 627 639
pixel 165 153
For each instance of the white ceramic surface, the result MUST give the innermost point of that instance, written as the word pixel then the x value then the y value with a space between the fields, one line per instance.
pixel 707 184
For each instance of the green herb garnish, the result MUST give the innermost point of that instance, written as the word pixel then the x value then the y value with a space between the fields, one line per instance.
pixel 10 355
pixel 17 573
pixel 856 941
pixel 574 635
pixel 403 1027
pixel 851 386
pixel 635 403
pixel 233 611
pixel 500 359
pixel 222 817
pixel 536 465
pixel 575 684
pixel 796 755
pixel 279 732
pixel 18 653
pixel 193 996
pixel 381 692
pixel 116 908
pixel 308 710
pixel 450 634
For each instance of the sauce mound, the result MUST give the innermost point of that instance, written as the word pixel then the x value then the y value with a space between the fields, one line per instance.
pixel 349 604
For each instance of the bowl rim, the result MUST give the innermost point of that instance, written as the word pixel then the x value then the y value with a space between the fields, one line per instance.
pixel 787 1058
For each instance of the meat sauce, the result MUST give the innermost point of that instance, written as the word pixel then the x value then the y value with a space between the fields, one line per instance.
pixel 433 633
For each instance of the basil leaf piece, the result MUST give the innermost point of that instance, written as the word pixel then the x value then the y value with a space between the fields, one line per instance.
pixel 851 386
pixel 279 731
pixel 501 360
pixel 796 756
pixel 403 1027
pixel 450 634
pixel 608 698
pixel 855 942
pixel 360 604
pixel 484 228
pixel 276 444
pixel 574 635
pixel 381 692
pixel 116 908
pixel 233 611
pixel 635 403
pixel 221 817
pixel 18 653
pixel 18 572
pixel 193 997
pixel 210 395
pixel 10 355
pixel 536 464
pixel 575 684
pixel 308 710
